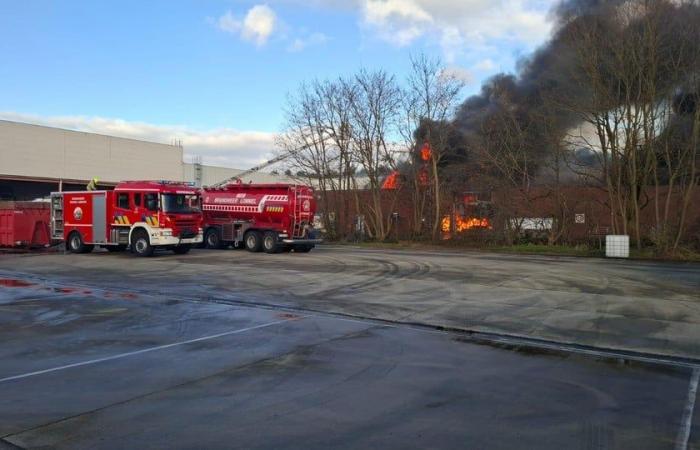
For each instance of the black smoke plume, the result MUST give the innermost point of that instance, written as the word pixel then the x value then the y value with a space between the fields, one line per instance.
pixel 547 82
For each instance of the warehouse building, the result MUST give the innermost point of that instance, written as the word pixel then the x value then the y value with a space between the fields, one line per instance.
pixel 35 160
pixel 204 175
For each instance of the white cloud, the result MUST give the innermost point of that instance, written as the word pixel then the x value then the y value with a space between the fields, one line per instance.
pixel 229 23
pixel 397 21
pixel 221 146
pixel 257 26
pixel 485 65
pixel 457 25
pixel 379 11
pixel 458 73
pixel 261 22
pixel 302 42
pixel 452 43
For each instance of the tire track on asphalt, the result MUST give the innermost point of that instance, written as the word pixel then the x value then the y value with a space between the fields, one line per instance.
pixel 387 269
pixel 481 335
pixel 390 270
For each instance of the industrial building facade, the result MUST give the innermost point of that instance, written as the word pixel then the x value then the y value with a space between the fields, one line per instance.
pixel 35 160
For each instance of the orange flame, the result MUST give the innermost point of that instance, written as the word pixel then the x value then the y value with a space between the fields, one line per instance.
pixel 426 152
pixel 464 224
pixel 391 181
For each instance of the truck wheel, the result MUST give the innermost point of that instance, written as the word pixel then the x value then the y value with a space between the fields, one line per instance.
pixel 77 245
pixel 140 244
pixel 181 249
pixel 271 242
pixel 303 248
pixel 212 238
pixel 253 241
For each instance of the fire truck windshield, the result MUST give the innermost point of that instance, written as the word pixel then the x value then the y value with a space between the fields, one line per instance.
pixel 180 203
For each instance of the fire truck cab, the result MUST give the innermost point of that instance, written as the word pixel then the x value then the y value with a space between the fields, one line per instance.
pixel 142 215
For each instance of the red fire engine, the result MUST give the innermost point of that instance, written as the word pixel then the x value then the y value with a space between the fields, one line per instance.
pixel 140 214
pixel 262 217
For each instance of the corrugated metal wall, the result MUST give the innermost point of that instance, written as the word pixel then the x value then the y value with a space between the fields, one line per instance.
pixel 42 152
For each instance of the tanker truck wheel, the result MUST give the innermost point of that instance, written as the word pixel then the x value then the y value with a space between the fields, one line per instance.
pixel 77 245
pixel 271 242
pixel 212 239
pixel 140 244
pixel 253 241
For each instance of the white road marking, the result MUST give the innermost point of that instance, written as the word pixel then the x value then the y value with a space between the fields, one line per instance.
pixel 145 350
pixel 687 420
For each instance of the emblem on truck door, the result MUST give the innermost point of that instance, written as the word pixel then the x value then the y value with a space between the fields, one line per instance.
pixel 78 213
pixel 306 205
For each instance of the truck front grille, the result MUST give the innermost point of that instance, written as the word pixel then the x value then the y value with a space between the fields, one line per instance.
pixel 186 228
pixel 186 224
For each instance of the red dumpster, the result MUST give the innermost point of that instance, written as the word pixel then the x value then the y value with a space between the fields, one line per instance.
pixel 24 224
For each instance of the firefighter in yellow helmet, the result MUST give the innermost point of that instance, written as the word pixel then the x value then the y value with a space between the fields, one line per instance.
pixel 92 185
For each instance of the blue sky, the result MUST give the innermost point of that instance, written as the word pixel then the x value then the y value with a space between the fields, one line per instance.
pixel 215 73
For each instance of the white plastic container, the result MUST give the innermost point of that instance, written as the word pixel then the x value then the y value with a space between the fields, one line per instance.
pixel 617 246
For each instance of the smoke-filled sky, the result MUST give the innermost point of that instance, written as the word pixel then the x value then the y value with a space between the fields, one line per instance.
pixel 215 73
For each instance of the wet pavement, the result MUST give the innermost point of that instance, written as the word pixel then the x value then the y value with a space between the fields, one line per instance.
pixel 145 356
pixel 634 306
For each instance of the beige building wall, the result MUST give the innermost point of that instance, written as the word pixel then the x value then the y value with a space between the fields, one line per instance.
pixel 37 152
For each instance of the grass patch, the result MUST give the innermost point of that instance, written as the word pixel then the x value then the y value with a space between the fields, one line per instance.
pixel 541 249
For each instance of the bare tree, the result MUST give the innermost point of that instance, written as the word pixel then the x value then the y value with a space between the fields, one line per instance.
pixel 429 100
pixel 316 120
pixel 504 147
pixel 374 103
pixel 344 127
pixel 630 62
pixel 677 117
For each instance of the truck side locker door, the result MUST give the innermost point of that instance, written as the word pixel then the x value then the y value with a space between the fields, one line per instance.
pixel 99 218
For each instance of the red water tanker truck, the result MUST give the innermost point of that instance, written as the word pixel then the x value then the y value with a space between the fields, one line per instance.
pixel 144 215
pixel 260 217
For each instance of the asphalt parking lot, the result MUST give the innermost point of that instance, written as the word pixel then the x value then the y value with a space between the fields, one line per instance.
pixel 224 349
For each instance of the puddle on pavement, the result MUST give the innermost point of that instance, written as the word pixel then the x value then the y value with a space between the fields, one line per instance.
pixel 288 316
pixel 12 282
pixel 63 290
pixel 17 283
